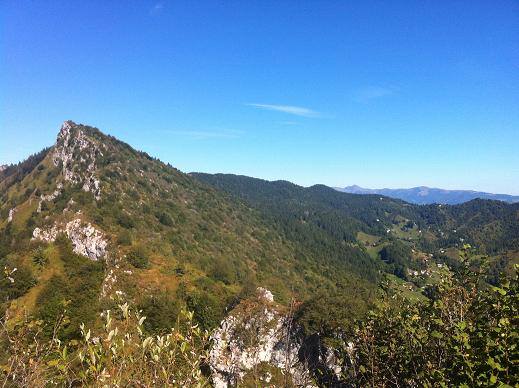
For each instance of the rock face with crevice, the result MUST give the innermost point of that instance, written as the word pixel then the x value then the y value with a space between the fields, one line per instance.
pixel 86 240
pixel 77 154
pixel 255 333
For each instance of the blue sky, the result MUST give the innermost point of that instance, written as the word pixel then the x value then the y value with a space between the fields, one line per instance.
pixel 376 93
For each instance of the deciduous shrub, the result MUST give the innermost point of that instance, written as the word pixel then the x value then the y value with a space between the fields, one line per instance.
pixel 463 336
pixel 120 354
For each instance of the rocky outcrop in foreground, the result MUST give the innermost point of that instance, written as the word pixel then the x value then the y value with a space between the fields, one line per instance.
pixel 256 341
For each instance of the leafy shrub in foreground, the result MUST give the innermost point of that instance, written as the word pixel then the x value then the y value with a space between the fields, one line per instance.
pixel 121 354
pixel 464 336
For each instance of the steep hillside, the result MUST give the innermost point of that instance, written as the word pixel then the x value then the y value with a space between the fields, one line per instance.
pixel 91 221
pixel 491 226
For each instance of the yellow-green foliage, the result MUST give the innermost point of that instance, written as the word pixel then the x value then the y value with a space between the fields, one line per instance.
pixel 463 336
pixel 120 354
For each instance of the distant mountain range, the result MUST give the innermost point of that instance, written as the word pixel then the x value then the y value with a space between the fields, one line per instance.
pixel 426 195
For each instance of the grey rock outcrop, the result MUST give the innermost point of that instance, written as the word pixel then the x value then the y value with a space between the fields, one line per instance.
pixel 77 154
pixel 256 333
pixel 11 214
pixel 86 240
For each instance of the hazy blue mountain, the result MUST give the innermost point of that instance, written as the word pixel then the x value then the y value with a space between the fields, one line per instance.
pixel 427 195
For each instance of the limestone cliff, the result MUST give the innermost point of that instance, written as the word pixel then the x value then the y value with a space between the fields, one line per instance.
pixel 257 339
pixel 77 155
pixel 86 240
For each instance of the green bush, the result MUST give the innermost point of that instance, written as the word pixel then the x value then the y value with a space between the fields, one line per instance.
pixel 76 291
pixel 207 309
pixel 125 220
pixel 39 257
pixel 465 336
pixel 161 311
pixel 138 257
pixel 222 270
pixel 164 218
pixel 15 281
pixel 124 237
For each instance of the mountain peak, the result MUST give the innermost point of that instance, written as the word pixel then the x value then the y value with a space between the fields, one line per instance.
pixel 65 129
pixel 77 154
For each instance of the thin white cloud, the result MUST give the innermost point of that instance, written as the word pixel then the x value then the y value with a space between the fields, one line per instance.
pixel 372 92
pixel 157 7
pixel 206 135
pixel 290 109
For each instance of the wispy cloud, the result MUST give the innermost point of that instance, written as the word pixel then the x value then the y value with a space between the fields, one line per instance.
pixel 290 109
pixel 206 135
pixel 371 93
pixel 157 7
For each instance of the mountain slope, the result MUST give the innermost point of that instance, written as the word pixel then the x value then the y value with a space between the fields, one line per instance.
pixel 92 208
pixel 492 226
pixel 426 195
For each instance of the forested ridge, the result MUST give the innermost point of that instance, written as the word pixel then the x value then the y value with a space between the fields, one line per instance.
pixel 491 226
